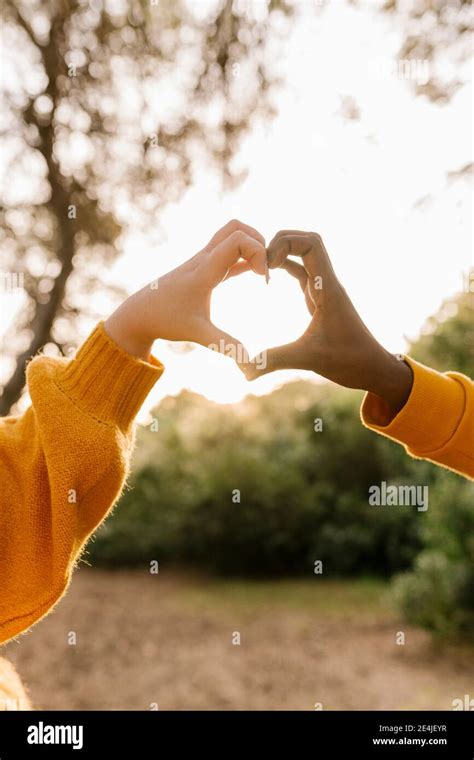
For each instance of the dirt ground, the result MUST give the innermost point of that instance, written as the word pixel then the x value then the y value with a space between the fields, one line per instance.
pixel 144 641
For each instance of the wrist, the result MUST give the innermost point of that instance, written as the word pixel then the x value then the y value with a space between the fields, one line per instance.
pixel 392 381
pixel 125 327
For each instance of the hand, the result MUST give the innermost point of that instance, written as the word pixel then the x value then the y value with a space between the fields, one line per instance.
pixel 336 343
pixel 177 305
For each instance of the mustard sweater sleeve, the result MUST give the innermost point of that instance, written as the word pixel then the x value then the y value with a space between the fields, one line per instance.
pixel 437 421
pixel 63 465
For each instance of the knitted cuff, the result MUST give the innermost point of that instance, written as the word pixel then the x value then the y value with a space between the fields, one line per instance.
pixel 106 381
pixel 430 416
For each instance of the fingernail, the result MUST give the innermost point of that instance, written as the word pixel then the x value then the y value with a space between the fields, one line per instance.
pixel 267 273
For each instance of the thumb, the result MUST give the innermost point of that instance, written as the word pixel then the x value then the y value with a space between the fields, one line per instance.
pixel 272 359
pixel 218 340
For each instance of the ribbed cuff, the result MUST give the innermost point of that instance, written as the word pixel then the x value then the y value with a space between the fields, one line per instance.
pixel 430 416
pixel 106 381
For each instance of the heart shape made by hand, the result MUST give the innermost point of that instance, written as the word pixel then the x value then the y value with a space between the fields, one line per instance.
pixel 336 344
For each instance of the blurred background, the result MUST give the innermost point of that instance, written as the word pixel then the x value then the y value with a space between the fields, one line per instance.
pixel 131 130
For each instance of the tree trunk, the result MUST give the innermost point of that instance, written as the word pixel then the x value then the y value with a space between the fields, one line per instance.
pixel 41 327
pixel 45 313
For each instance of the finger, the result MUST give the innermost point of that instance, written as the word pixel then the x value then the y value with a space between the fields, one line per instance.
pixel 296 270
pixel 281 247
pixel 275 240
pixel 310 247
pixel 239 268
pixel 292 244
pixel 237 246
pixel 288 356
pixel 284 233
pixel 234 226
pixel 215 339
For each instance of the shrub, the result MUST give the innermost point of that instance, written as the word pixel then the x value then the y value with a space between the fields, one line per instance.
pixel 303 494
pixel 439 593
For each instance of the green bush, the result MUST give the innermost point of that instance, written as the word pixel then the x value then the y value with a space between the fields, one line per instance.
pixel 303 494
pixel 439 593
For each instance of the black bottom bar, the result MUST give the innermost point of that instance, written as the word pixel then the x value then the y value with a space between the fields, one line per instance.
pixel 145 734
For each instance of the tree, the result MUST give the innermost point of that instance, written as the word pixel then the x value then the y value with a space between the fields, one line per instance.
pixel 447 338
pixel 439 32
pixel 95 144
pixel 110 107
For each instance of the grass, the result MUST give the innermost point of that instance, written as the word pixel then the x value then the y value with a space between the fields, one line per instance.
pixel 367 596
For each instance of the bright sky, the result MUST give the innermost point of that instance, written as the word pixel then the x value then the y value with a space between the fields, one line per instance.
pixel 355 183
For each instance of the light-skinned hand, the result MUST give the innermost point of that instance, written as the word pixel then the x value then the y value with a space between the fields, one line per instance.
pixel 176 307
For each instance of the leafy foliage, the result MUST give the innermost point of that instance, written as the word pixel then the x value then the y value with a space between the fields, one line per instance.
pixel 447 340
pixel 433 30
pixel 303 494
pixel 439 593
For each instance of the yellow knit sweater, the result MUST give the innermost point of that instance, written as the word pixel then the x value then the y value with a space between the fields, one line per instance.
pixel 64 462
pixel 63 465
